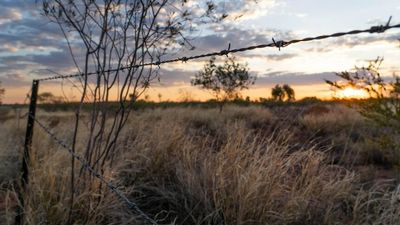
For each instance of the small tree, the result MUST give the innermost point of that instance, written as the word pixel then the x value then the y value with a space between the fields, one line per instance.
pixel 2 91
pixel 281 93
pixel 116 39
pixel 289 92
pixel 383 105
pixel 224 81
pixel 159 97
pixel 278 93
pixel 49 98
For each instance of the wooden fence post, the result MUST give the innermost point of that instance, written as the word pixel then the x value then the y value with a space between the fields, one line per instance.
pixel 26 155
pixel 29 131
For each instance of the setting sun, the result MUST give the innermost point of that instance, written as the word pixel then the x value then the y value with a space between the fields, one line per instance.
pixel 350 92
pixel 197 112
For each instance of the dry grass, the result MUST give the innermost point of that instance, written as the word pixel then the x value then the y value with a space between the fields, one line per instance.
pixel 331 118
pixel 198 166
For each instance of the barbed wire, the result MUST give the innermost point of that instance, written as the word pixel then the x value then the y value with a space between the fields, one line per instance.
pixel 131 205
pixel 276 44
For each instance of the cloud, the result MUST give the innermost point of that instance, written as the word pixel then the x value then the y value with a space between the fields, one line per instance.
pixel 319 49
pixel 355 40
pixel 283 77
pixel 178 77
pixel 8 48
pixel 33 44
pixel 272 57
pixel 247 9
pixel 222 35
pixel 174 77
pixel 15 80
pixel 350 42
pixel 28 42
pixel 10 14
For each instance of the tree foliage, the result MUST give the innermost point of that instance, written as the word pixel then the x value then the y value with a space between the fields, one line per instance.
pixel 49 98
pixel 107 36
pixel 281 93
pixel 224 81
pixel 383 105
pixel 289 92
pixel 116 38
pixel 278 93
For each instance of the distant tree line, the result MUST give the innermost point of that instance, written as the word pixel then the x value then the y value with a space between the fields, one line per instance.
pixel 49 98
pixel 226 81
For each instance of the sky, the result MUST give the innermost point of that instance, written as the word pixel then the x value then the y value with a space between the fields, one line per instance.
pixel 32 47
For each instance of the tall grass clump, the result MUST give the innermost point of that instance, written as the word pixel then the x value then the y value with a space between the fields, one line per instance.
pixel 199 166
pixel 251 178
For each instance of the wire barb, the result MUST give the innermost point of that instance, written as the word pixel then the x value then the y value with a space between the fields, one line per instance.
pixel 184 59
pixel 226 52
pixel 280 44
pixel 381 28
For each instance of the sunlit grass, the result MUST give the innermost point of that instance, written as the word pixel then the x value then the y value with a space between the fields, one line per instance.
pixel 247 165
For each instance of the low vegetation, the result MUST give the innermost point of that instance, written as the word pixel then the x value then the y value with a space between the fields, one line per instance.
pixel 314 164
pixel 2 91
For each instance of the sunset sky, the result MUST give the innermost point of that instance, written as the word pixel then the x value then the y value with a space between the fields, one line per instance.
pixel 29 45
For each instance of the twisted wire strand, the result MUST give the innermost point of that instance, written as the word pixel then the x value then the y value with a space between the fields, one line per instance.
pixel 131 205
pixel 276 44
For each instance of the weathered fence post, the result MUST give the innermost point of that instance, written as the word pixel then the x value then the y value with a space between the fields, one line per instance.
pixel 29 132
pixel 26 155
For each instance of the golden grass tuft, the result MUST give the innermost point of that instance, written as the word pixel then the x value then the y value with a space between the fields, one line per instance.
pixel 198 166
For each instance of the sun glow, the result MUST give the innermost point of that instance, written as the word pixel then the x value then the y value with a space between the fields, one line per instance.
pixel 351 93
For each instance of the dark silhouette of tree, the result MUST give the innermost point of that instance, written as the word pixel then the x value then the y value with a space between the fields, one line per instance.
pixel 224 81
pixel 113 35
pixel 289 92
pixel 2 92
pixel 159 97
pixel 278 94
pixel 383 105
pixel 48 98
pixel 282 93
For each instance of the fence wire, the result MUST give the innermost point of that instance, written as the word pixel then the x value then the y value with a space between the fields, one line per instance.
pixel 275 44
pixel 131 205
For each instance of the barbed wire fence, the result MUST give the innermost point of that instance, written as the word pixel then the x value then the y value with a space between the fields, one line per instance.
pixel 274 44
pixel 123 198
pixel 131 205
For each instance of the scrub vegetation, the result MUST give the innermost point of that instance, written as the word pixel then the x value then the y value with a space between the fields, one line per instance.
pixel 315 163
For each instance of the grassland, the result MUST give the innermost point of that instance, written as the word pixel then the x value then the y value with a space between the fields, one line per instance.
pixel 313 164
